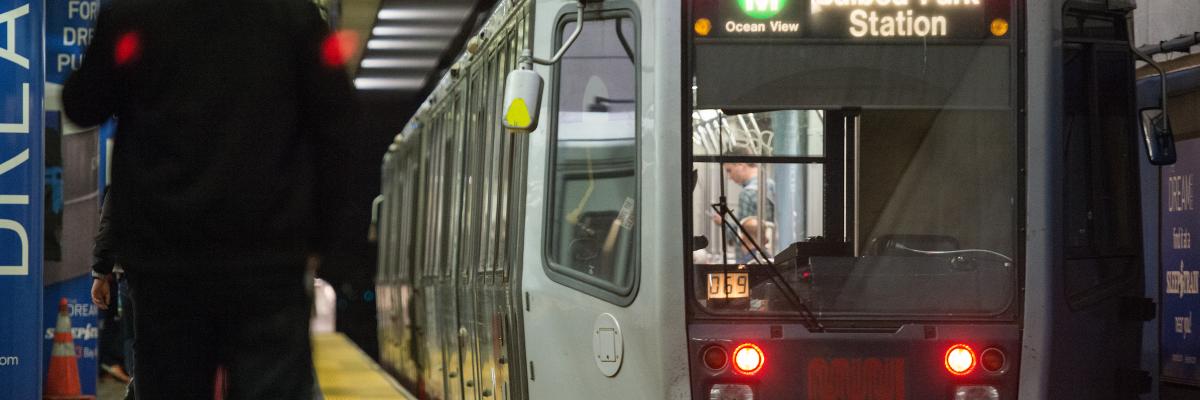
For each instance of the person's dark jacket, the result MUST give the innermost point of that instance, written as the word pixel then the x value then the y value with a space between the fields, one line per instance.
pixel 103 257
pixel 232 117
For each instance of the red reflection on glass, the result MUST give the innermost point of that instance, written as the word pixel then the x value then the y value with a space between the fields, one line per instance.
pixel 129 47
pixel 339 48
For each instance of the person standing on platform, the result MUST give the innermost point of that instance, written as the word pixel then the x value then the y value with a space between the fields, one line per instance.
pixel 105 270
pixel 234 117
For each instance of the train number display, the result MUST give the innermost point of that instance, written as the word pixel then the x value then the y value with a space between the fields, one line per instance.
pixel 728 285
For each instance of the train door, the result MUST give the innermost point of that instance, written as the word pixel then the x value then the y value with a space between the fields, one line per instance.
pixel 470 266
pixel 485 266
pixel 598 307
pixel 426 277
pixel 405 296
pixel 1100 301
pixel 446 186
pixel 490 289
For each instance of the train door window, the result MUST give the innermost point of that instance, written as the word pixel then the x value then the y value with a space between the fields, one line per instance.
pixel 474 164
pixel 390 204
pixel 489 193
pixel 446 232
pixel 1101 207
pixel 426 211
pixel 516 204
pixel 505 155
pixel 591 221
pixel 400 219
pixel 495 175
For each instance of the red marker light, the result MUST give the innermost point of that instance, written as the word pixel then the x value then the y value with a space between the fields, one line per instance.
pixel 129 47
pixel 339 48
pixel 748 359
pixel 960 359
pixel 992 360
pixel 714 357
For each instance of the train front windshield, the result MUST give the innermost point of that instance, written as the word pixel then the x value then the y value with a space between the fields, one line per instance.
pixel 853 170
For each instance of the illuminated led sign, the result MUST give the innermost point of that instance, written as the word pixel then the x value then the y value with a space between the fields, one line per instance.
pixel 761 8
pixel 856 19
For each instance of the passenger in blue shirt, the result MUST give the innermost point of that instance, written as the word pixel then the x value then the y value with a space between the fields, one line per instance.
pixel 746 175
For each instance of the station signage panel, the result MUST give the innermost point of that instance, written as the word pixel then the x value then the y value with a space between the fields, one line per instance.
pixel 867 20
pixel 1180 274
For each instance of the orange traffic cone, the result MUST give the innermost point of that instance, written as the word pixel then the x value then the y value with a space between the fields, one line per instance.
pixel 62 383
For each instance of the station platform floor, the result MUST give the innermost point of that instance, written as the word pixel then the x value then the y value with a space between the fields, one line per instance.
pixel 344 372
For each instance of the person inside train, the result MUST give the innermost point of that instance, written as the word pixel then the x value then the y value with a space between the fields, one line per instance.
pixel 758 231
pixel 235 124
pixel 746 175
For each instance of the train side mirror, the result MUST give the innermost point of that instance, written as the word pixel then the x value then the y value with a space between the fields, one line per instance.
pixel 522 100
pixel 1156 131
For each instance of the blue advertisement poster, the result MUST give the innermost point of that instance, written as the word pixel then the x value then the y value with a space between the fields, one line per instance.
pixel 1180 272
pixel 72 205
pixel 21 179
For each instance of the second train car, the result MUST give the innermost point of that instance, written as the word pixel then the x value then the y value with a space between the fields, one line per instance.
pixel 771 199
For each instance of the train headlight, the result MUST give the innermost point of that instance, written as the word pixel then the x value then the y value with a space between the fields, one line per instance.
pixel 960 359
pixel 722 391
pixel 976 392
pixel 748 359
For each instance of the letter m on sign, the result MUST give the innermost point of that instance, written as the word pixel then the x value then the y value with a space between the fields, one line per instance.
pixel 22 268
pixel 761 5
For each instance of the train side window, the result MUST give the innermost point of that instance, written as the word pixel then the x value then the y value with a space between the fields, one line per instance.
pixel 591 221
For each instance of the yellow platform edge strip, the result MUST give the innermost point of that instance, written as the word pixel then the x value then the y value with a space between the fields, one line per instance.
pixel 345 372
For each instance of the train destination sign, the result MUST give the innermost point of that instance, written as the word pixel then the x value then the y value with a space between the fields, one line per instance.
pixel 852 19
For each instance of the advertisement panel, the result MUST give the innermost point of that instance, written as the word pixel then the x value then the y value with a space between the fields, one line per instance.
pixel 1180 271
pixel 21 180
pixel 72 189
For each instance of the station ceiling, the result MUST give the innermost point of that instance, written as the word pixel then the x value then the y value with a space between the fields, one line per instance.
pixel 405 44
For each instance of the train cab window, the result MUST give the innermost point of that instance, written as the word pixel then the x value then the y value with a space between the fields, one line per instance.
pixel 858 211
pixel 591 222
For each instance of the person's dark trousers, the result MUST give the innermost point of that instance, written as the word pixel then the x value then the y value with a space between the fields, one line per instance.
pixel 125 310
pixel 112 337
pixel 255 324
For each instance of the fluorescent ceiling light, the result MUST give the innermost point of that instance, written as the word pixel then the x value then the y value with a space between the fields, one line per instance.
pixel 435 13
pixel 373 62
pixel 389 83
pixel 415 30
pixel 406 44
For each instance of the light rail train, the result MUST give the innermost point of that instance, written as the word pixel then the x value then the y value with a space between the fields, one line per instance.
pixel 830 207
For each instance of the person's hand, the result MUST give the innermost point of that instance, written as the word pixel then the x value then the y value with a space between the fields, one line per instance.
pixel 716 218
pixel 313 262
pixel 100 294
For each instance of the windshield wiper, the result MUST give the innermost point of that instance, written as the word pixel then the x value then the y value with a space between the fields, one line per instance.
pixel 729 221
pixel 901 246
